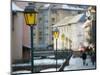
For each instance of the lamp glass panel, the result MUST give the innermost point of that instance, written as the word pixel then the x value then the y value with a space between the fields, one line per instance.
pixel 35 20
pixel 31 18
pixel 63 37
pixel 26 20
pixel 56 35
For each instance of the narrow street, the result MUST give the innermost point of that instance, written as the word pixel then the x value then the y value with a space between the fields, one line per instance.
pixel 75 63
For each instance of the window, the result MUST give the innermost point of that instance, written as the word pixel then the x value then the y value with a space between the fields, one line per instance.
pixel 40 38
pixel 40 33
pixel 12 23
pixel 53 19
pixel 79 12
pixel 13 15
pixel 54 11
pixel 52 38
pixel 40 19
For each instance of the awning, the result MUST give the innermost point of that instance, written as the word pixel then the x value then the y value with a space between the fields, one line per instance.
pixel 16 8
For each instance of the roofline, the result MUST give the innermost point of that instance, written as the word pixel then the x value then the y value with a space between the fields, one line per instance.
pixel 53 2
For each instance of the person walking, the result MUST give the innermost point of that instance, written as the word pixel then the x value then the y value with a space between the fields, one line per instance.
pixel 84 56
pixel 93 58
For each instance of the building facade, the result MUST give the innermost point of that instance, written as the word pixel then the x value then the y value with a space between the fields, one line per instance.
pixel 16 33
pixel 70 32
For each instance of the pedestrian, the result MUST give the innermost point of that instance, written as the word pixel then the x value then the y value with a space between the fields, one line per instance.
pixel 84 56
pixel 93 58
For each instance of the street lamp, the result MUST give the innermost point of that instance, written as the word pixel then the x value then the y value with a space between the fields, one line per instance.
pixel 56 35
pixel 30 16
pixel 63 39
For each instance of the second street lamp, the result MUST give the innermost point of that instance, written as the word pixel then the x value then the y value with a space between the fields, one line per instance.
pixel 30 15
pixel 63 39
pixel 56 35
